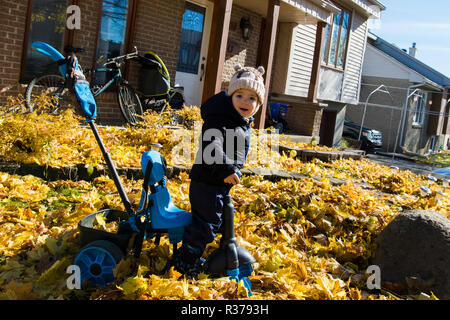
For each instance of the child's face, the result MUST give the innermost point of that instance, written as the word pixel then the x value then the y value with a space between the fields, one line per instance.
pixel 245 102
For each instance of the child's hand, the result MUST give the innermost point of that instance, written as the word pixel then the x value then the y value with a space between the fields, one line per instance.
pixel 232 179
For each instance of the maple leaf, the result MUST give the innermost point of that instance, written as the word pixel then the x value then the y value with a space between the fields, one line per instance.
pixel 133 286
pixel 18 291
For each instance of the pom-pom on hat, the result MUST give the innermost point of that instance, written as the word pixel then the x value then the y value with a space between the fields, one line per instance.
pixel 248 78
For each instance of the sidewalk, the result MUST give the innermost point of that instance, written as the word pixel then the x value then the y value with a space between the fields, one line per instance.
pixel 404 164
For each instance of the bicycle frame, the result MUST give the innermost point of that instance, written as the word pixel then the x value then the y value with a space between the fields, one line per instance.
pixel 117 77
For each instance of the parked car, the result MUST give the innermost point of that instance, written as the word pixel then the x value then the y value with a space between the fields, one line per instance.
pixel 371 140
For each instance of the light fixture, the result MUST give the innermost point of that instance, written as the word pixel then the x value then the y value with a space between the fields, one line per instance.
pixel 246 28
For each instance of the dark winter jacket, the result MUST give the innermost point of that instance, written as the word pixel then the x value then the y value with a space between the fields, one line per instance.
pixel 223 126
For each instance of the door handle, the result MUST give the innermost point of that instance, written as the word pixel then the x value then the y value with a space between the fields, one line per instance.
pixel 202 68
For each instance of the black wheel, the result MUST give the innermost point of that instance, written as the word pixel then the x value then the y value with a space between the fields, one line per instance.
pixel 176 99
pixel 54 86
pixel 279 127
pixel 97 262
pixel 129 103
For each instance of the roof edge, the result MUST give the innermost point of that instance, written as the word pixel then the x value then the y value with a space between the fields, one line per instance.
pixel 327 5
pixel 378 3
pixel 411 62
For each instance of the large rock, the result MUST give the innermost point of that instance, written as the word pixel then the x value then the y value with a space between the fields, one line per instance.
pixel 414 250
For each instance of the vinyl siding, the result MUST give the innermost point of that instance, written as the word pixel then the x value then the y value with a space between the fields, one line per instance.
pixel 282 56
pixel 355 58
pixel 292 75
pixel 302 54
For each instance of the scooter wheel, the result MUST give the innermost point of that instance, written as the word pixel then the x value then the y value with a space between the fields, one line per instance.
pixel 97 261
pixel 279 127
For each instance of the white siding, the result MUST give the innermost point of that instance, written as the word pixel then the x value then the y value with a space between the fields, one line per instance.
pixel 355 58
pixel 282 57
pixel 302 54
pixel 381 65
pixel 330 85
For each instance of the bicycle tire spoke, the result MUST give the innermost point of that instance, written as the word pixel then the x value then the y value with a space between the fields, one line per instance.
pixel 129 104
pixel 54 87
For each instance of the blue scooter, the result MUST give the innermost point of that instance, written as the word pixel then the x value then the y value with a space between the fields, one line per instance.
pixel 277 116
pixel 156 216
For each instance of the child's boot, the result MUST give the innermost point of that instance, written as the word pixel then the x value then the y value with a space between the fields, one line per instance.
pixel 188 260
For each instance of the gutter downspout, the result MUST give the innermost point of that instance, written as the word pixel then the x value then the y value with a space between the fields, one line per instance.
pixel 403 117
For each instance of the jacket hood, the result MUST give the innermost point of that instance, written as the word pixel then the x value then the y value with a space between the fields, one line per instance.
pixel 219 108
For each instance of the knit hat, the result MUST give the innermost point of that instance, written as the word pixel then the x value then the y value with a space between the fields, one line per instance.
pixel 248 78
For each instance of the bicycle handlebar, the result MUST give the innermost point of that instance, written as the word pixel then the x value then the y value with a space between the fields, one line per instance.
pixel 124 57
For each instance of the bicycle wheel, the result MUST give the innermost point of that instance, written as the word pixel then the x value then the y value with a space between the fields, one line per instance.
pixel 157 106
pixel 129 103
pixel 54 86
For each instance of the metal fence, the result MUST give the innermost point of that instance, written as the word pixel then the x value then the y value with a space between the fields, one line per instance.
pixel 402 115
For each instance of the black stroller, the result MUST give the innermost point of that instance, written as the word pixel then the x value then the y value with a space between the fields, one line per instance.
pixel 155 89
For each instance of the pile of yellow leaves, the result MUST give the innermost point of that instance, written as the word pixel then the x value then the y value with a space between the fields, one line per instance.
pixel 311 239
pixel 66 140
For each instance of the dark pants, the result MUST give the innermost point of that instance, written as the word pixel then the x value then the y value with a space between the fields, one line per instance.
pixel 206 207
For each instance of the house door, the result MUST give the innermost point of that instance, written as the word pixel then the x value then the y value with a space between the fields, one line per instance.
pixel 193 49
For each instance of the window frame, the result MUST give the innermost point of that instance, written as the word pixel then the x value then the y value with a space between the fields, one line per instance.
pixel 68 39
pixel 420 109
pixel 327 41
pixel 129 37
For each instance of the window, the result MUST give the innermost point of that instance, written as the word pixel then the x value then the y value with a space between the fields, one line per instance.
pixel 191 38
pixel 111 40
pixel 336 39
pixel 46 23
pixel 419 104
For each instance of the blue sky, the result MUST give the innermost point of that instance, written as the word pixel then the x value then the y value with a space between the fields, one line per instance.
pixel 425 22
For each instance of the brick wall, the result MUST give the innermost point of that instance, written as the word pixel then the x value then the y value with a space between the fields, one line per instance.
pixel 304 119
pixel 12 28
pixel 248 50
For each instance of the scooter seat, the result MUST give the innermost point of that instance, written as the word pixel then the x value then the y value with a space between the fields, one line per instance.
pixel 164 214
pixel 158 166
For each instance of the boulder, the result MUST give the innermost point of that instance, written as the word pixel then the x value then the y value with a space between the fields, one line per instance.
pixel 414 248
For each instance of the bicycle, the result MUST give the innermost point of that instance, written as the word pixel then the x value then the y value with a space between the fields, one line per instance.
pixel 58 88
